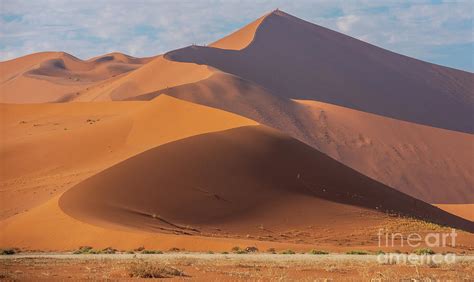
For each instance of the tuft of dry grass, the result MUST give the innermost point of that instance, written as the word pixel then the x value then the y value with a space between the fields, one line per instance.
pixel 151 270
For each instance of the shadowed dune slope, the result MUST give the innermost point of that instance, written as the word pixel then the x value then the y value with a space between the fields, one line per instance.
pixel 300 60
pixel 409 157
pixel 55 76
pixel 227 176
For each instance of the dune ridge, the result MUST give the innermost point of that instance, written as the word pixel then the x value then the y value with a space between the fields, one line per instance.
pixel 157 74
pixel 413 159
pixel 241 38
pixel 58 76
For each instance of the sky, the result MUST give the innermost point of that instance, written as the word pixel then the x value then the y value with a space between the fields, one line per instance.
pixel 440 32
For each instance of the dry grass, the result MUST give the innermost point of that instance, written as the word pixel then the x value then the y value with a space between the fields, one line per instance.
pixel 145 269
pixel 236 268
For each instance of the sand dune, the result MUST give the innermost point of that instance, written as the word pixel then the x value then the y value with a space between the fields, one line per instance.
pixel 57 76
pixel 247 170
pixel 47 147
pixel 159 73
pixel 300 60
pixel 409 157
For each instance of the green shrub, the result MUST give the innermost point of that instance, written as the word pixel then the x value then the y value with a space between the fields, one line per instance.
pixel 357 253
pixel 424 251
pixel 150 252
pixel 318 252
pixel 84 250
pixel 108 250
pixel 9 251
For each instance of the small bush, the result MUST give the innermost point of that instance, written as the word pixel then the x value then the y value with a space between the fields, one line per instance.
pixel 174 250
pixel 251 249
pixel 236 249
pixel 241 252
pixel 9 251
pixel 379 252
pixel 225 253
pixel 288 252
pixel 357 253
pixel 271 251
pixel 108 250
pixel 84 250
pixel 150 252
pixel 424 251
pixel 139 249
pixel 210 252
pixel 318 252
pixel 149 270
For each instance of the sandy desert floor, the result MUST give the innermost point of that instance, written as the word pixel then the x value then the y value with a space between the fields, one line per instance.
pixel 228 267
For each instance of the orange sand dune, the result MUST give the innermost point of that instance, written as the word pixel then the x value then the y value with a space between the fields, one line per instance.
pixel 45 148
pixel 299 60
pixel 56 76
pixel 292 216
pixel 232 180
pixel 159 73
pixel 406 156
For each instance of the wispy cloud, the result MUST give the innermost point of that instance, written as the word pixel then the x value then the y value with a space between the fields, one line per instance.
pixel 437 31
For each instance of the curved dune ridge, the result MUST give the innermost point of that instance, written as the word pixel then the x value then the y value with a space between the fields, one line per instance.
pixel 299 60
pixel 239 39
pixel 231 178
pixel 413 159
pixel 159 73
pixel 58 76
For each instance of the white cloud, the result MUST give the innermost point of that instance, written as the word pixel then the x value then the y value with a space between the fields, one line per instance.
pixel 345 23
pixel 87 28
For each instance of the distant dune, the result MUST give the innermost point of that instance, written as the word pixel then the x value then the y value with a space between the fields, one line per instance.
pixel 57 76
pixel 157 74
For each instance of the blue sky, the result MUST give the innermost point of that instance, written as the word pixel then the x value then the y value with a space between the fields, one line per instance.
pixel 435 31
